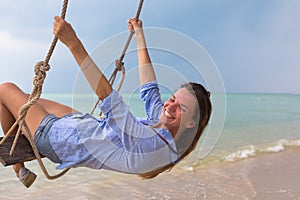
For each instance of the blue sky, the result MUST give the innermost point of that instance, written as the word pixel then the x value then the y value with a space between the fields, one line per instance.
pixel 254 43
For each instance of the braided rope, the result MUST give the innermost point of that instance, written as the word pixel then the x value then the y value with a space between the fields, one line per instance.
pixel 40 70
pixel 119 64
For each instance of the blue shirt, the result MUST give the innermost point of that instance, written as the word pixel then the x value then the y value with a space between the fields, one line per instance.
pixel 120 141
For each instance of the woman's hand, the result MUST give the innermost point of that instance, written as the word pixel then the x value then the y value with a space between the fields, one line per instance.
pixel 64 32
pixel 135 26
pixel 146 71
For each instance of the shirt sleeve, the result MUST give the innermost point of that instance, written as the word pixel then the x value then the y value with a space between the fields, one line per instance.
pixel 138 149
pixel 123 122
pixel 151 96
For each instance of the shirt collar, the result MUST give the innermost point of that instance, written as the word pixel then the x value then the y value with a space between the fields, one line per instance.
pixel 167 135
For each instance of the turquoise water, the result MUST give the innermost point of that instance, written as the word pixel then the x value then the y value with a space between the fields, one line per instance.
pixel 252 121
pixel 254 124
pixel 259 123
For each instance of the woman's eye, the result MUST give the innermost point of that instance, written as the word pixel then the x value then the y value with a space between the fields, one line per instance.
pixel 183 109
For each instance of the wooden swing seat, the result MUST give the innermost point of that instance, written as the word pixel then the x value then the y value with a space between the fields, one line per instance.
pixel 23 151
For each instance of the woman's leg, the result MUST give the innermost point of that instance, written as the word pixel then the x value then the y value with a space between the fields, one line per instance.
pixel 7 120
pixel 55 108
pixel 11 100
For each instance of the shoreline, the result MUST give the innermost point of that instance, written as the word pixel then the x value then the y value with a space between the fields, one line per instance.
pixel 268 176
pixel 276 176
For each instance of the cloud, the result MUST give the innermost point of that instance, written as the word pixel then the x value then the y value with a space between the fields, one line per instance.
pixel 257 41
pixel 247 40
pixel 18 56
pixel 25 36
pixel 17 45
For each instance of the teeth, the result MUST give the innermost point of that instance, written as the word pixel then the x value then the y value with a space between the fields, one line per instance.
pixel 168 114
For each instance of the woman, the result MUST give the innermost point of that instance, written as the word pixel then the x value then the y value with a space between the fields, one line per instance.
pixel 119 142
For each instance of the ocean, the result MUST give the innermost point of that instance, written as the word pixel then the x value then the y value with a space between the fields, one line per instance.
pixel 259 123
pixel 255 124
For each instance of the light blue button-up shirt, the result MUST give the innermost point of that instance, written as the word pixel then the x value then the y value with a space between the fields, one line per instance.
pixel 120 141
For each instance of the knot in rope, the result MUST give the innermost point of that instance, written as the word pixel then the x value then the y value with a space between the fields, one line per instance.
pixel 119 65
pixel 40 70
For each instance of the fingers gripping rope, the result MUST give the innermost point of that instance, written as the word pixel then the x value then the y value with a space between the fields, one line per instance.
pixel 119 64
pixel 40 74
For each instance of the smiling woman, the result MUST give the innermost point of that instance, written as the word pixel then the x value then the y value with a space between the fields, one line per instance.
pixel 118 142
pixel 179 109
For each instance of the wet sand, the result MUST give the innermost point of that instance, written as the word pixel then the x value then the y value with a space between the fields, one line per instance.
pixel 277 176
pixel 264 177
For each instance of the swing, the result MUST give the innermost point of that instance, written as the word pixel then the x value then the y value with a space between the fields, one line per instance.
pixel 21 147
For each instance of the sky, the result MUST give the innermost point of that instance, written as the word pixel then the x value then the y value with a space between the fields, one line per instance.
pixel 255 44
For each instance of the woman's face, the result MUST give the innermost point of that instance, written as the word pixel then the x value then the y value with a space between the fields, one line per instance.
pixel 178 111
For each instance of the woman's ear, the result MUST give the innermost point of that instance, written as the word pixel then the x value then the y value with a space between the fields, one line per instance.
pixel 191 124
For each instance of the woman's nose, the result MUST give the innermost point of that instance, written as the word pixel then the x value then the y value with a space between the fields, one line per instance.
pixel 172 106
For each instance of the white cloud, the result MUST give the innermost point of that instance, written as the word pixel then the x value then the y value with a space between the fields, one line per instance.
pixel 10 44
pixel 18 57
pixel 246 39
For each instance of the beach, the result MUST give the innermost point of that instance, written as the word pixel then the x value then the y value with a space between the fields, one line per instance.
pixel 276 176
pixel 255 157
pixel 265 177
pixel 269 176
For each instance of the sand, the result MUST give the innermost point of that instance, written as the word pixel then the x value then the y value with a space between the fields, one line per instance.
pixel 277 176
pixel 264 177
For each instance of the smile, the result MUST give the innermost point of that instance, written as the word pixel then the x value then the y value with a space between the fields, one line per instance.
pixel 169 115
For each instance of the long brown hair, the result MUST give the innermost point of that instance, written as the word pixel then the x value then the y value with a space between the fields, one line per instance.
pixel 184 143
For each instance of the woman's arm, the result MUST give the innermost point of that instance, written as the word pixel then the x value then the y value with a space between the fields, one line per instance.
pixel 146 71
pixel 66 34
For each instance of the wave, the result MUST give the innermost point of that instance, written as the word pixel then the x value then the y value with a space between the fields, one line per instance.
pixel 252 150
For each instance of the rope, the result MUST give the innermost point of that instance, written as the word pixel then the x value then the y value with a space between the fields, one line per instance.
pixel 119 64
pixel 40 70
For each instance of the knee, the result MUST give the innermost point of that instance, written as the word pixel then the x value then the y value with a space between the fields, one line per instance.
pixel 8 85
pixel 7 88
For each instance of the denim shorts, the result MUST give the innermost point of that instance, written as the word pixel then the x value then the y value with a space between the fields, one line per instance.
pixel 42 141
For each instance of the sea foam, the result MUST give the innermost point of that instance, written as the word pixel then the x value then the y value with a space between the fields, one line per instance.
pixel 252 150
pixel 241 154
